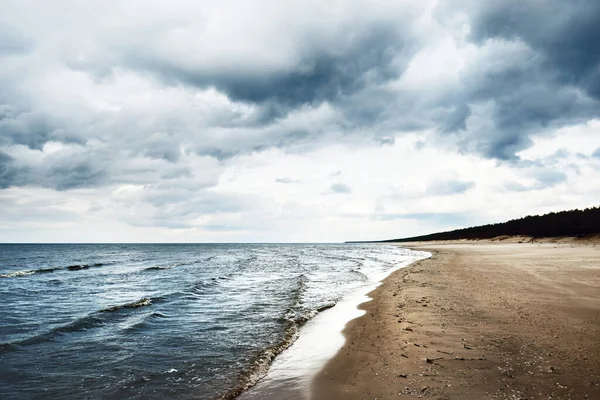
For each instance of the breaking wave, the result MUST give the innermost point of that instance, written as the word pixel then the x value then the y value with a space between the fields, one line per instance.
pixel 77 267
pixel 294 319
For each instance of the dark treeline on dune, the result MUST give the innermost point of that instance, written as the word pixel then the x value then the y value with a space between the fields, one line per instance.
pixel 564 223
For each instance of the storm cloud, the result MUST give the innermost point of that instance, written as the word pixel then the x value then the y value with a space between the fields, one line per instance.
pixel 370 58
pixel 165 106
pixel 564 34
pixel 542 69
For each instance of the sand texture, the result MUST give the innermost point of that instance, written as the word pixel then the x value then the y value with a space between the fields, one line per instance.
pixel 478 320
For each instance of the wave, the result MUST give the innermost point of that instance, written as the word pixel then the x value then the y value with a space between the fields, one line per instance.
pixel 28 272
pixel 136 304
pixel 298 315
pixel 379 260
pixel 292 314
pixel 93 320
pixel 143 322
pixel 17 273
pixel 342 258
pixel 362 275
pixel 163 267
pixel 242 264
pixel 261 363
pixel 158 268
pixel 302 281
pixel 77 267
pixel 198 288
pixel 157 314
pixel 293 320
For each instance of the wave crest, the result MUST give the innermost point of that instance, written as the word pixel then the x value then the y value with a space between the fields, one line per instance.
pixel 95 319
pixel 293 322
pixel 136 304
pixel 77 267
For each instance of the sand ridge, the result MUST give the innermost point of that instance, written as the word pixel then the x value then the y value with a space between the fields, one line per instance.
pixel 510 319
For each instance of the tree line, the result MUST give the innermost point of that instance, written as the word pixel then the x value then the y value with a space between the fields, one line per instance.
pixel 564 223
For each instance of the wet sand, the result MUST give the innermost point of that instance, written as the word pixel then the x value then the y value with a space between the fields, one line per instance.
pixel 478 320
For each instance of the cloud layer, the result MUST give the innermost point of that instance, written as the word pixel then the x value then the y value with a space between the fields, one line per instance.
pixel 160 110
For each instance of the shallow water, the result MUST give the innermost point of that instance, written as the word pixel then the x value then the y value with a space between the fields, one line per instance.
pixel 154 321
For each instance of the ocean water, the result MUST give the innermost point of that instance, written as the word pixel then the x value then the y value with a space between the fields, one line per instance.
pixel 155 321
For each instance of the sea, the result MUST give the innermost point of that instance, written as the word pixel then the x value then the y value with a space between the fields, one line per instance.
pixel 156 321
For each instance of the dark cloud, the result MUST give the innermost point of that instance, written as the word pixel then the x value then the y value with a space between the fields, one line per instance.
pixel 73 174
pixel 457 118
pixel 324 74
pixel 64 175
pixel 449 187
pixel 524 101
pixel 23 128
pixel 32 129
pixel 542 86
pixel 8 172
pixel 565 33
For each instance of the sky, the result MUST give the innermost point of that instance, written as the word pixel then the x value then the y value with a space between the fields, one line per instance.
pixel 295 121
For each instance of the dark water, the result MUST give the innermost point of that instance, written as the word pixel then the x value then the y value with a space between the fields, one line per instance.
pixel 162 321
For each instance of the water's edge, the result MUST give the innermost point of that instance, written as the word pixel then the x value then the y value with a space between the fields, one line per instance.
pixel 292 370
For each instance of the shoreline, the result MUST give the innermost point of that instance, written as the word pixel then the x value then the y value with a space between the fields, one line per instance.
pixel 291 373
pixel 479 319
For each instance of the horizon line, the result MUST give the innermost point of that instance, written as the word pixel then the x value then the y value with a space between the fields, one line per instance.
pixel 61 243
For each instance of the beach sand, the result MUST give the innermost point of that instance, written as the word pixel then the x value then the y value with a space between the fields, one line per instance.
pixel 478 320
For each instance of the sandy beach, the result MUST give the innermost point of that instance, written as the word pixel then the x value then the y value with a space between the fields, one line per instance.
pixel 478 320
